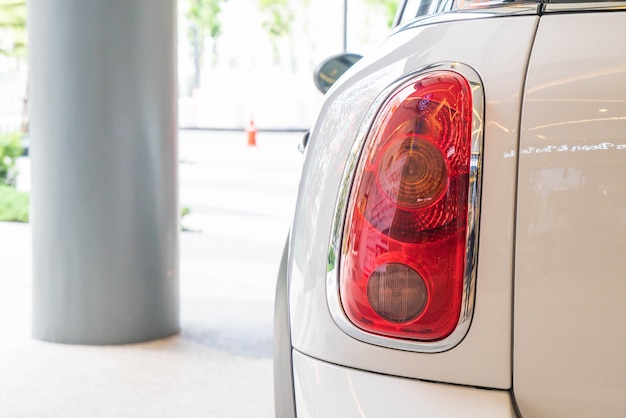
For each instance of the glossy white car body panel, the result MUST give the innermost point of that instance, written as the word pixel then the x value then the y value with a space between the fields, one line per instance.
pixel 361 394
pixel 548 331
pixel 570 276
pixel 496 48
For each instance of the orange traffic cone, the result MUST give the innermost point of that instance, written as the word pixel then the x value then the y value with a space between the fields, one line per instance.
pixel 251 130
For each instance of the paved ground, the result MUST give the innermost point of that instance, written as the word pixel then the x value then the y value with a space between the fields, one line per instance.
pixel 241 200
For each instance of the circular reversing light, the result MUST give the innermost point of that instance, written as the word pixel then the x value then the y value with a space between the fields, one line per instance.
pixel 412 173
pixel 396 292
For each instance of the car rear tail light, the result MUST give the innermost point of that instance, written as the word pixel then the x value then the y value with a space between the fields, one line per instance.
pixel 406 269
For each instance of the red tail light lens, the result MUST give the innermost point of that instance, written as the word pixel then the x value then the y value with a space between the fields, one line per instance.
pixel 404 250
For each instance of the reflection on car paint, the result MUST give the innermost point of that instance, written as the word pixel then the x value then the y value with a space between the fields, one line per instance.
pixel 604 146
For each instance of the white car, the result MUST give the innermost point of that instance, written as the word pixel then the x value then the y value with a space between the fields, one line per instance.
pixel 459 241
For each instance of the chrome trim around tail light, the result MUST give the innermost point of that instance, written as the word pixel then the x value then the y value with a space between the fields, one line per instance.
pixel 336 239
pixel 583 6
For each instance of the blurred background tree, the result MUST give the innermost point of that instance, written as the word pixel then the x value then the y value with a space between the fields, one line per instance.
pixel 13 42
pixel 204 22
pixel 389 6
pixel 278 17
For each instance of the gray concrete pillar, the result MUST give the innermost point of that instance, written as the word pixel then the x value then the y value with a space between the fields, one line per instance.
pixel 104 170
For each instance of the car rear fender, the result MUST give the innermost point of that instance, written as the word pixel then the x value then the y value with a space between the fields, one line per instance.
pixel 284 404
pixel 498 50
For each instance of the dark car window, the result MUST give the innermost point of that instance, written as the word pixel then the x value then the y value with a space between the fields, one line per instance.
pixel 476 4
pixel 415 8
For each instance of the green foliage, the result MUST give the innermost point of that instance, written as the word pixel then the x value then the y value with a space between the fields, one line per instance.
pixel 10 150
pixel 390 7
pixel 277 21
pixel 278 17
pixel 13 28
pixel 184 211
pixel 14 205
pixel 204 14
pixel 204 19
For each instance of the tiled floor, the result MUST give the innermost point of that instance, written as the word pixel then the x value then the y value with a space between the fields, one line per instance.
pixel 220 365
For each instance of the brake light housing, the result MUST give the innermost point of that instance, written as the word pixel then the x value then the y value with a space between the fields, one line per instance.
pixel 402 259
